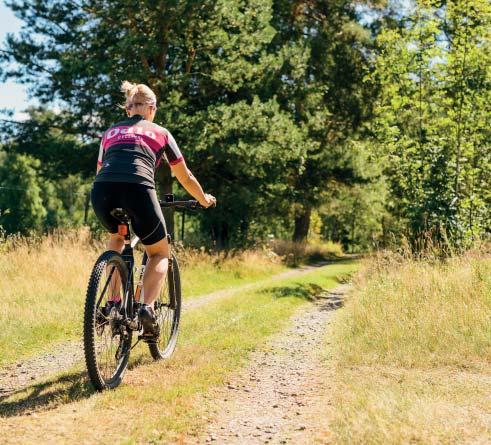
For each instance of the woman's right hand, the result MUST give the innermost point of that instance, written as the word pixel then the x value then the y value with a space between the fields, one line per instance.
pixel 208 200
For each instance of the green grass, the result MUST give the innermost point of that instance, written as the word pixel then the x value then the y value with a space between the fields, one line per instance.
pixel 203 274
pixel 166 401
pixel 44 285
pixel 413 353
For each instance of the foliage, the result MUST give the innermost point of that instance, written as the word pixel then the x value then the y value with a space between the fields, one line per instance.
pixel 30 202
pixel 370 120
pixel 262 145
pixel 354 216
pixel 253 101
pixel 204 60
pixel 21 204
pixel 321 84
pixel 433 118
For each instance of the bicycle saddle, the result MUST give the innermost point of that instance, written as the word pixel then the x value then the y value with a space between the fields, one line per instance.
pixel 120 215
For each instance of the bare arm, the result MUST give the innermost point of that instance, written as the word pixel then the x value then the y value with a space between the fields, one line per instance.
pixel 191 184
pixel 101 155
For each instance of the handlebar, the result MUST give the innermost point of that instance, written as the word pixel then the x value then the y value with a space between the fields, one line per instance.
pixel 188 205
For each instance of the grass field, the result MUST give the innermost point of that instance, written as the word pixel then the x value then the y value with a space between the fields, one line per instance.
pixel 413 353
pixel 164 401
pixel 44 284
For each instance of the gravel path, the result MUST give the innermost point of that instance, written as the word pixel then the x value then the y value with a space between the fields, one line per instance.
pixel 281 397
pixel 67 354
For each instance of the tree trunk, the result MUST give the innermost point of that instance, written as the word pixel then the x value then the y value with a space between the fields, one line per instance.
pixel 164 187
pixel 302 224
pixel 220 235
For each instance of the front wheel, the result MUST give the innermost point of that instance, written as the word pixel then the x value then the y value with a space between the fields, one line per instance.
pixel 168 312
pixel 107 341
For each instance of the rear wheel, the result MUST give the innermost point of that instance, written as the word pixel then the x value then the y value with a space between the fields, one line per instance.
pixel 107 342
pixel 167 312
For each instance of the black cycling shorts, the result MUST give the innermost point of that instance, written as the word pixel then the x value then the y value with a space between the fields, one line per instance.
pixel 139 201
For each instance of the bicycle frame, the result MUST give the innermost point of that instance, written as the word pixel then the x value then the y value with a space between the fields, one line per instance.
pixel 129 259
pixel 130 295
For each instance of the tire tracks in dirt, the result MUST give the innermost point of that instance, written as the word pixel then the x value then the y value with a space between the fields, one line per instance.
pixel 282 396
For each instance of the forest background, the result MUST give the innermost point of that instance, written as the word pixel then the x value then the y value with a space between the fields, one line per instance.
pixel 363 123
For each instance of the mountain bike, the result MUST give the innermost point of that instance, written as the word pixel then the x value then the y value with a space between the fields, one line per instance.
pixel 109 328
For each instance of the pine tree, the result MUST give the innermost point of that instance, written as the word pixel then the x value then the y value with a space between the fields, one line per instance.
pixel 321 83
pixel 206 61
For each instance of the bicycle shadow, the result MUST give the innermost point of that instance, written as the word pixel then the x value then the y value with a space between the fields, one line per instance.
pixel 49 394
pixel 52 393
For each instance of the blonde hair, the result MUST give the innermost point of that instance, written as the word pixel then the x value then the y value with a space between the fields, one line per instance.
pixel 138 93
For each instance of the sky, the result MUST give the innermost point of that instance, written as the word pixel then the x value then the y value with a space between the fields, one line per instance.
pixel 12 95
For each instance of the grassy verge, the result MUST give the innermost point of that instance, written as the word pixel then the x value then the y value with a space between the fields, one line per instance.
pixel 44 283
pixel 164 402
pixel 413 354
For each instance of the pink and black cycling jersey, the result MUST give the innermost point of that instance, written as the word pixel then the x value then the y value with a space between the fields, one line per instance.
pixel 132 150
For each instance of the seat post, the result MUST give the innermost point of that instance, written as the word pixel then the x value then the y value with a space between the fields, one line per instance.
pixel 124 230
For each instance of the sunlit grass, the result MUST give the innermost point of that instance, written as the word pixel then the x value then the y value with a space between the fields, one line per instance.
pixel 293 253
pixel 44 284
pixel 413 353
pixel 168 401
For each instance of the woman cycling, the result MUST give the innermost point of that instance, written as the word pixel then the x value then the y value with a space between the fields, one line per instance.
pixel 129 154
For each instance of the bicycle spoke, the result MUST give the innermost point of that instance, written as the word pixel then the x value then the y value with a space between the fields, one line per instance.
pixel 107 343
pixel 105 287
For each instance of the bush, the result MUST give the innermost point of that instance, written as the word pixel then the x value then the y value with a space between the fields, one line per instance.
pixel 294 254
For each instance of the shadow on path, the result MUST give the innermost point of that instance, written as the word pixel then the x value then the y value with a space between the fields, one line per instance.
pixel 53 393
pixel 49 394
pixel 330 299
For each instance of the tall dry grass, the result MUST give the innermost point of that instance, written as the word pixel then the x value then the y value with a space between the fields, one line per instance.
pixel 43 284
pixel 44 280
pixel 419 312
pixel 413 352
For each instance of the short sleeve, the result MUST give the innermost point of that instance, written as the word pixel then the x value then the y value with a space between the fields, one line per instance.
pixel 172 152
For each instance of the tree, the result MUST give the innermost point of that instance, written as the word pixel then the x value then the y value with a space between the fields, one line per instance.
pixel 321 83
pixel 21 205
pixel 433 118
pixel 200 57
pixel 255 147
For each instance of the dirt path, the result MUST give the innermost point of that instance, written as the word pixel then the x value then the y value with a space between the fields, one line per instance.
pixel 67 354
pixel 281 397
